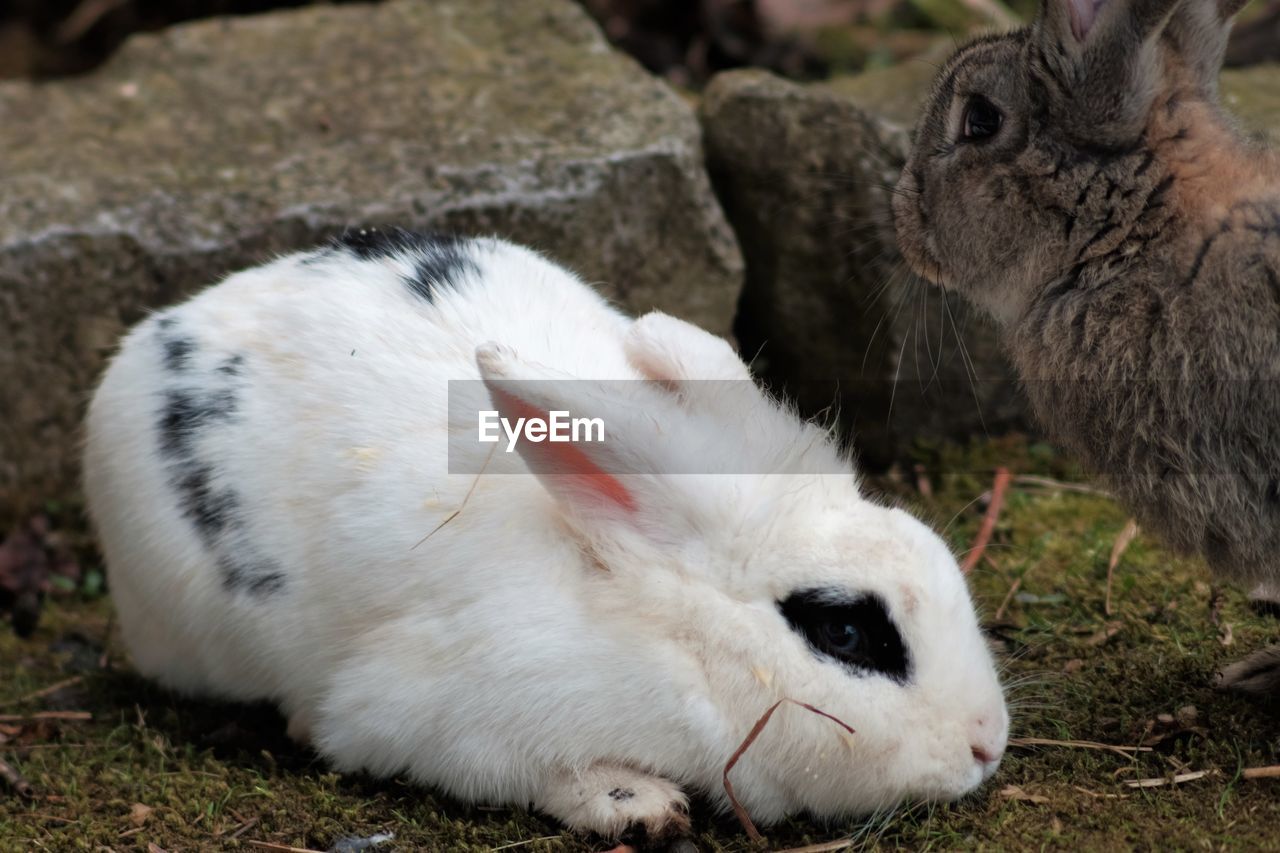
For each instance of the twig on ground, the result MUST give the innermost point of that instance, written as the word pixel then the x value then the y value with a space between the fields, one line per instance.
pixel 83 18
pixel 1058 485
pixel 1125 751
pixel 824 847
pixel 1097 795
pixel 15 779
pixel 1161 781
pixel 1271 772
pixel 621 848
pixel 244 827
pixel 280 848
pixel 738 810
pixel 1008 598
pixel 998 489
pixel 46 691
pixel 1123 539
pixel 66 716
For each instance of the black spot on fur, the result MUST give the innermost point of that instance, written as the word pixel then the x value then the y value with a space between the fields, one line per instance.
pixel 177 353
pixel 1200 257
pixel 166 322
pixel 232 366
pixel 211 510
pixel 254 575
pixel 186 412
pixel 620 794
pixel 443 264
pixel 214 510
pixel 439 260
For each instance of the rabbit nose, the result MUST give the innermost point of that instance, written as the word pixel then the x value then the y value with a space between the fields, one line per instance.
pixel 986 743
pixel 982 755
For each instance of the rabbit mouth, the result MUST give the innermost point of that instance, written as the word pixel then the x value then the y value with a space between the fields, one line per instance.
pixel 911 225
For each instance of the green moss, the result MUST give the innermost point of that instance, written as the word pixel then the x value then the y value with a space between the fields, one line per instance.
pixel 206 768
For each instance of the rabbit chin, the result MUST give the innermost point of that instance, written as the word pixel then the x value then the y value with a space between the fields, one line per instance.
pixel 873 782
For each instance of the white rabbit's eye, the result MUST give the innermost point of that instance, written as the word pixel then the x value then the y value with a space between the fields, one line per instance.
pixel 982 120
pixel 843 637
pixel 854 630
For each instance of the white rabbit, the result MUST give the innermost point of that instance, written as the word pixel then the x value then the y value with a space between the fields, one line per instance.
pixel 268 467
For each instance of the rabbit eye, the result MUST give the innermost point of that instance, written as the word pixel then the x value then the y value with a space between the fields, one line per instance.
pixel 982 120
pixel 855 631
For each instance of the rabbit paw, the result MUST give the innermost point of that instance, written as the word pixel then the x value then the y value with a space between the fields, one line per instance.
pixel 1259 673
pixel 614 802
pixel 299 728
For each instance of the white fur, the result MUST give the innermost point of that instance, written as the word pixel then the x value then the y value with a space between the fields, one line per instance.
pixel 536 637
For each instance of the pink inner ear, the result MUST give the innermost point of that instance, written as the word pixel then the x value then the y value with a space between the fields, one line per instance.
pixel 1083 15
pixel 575 469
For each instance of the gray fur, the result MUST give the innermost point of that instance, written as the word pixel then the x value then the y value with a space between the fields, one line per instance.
pixel 1127 239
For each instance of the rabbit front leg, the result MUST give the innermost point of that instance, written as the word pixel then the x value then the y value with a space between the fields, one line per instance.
pixel 612 800
pixel 1258 674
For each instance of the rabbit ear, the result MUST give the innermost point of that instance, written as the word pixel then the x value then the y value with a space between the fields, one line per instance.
pixel 585 476
pixel 1198 33
pixel 1103 58
pixel 672 351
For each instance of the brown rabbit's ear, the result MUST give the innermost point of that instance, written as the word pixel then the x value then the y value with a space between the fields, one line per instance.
pixel 1198 33
pixel 1103 58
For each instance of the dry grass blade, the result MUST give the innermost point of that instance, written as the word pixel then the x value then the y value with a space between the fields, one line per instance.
pixel 738 810
pixel 84 18
pixel 65 716
pixel 46 691
pixel 621 848
pixel 824 847
pixel 998 489
pixel 279 848
pixel 1051 485
pixel 1161 781
pixel 1126 751
pixel 1008 598
pixel 1019 794
pixel 451 516
pixel 1271 772
pixel 1123 540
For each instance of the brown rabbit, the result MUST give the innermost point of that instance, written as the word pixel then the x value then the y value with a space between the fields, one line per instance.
pixel 1079 180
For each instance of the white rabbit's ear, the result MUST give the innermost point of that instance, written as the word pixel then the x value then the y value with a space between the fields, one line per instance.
pixel 703 371
pixel 669 350
pixel 596 476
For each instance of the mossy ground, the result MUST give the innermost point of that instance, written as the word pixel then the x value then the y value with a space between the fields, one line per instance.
pixel 208 771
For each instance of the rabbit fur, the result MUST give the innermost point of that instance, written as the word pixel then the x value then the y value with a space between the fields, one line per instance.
pixel 1079 180
pixel 268 467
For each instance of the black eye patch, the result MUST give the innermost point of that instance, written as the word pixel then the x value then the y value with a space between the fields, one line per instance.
pixel 854 631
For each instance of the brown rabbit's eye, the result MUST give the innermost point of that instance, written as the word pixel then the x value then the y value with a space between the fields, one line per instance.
pixel 982 120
